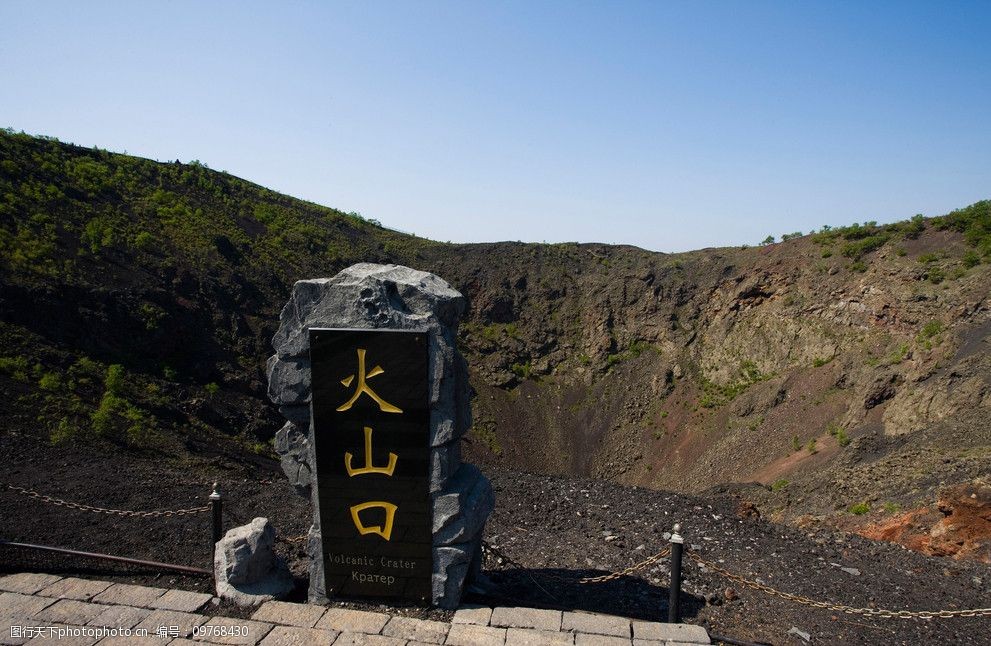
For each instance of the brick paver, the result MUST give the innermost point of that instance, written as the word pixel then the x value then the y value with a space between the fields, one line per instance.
pixel 537 618
pixel 584 639
pixel 419 630
pixel 530 637
pixel 70 611
pixel 133 640
pixel 289 614
pixel 472 635
pixel 12 630
pixel 13 604
pixel 124 594
pixel 181 600
pixel 583 622
pixel 120 617
pixel 169 619
pixel 73 588
pixel 670 632
pixel 470 614
pixel 61 635
pixel 296 636
pixel 213 631
pixel 362 639
pixel 71 604
pixel 346 620
pixel 27 582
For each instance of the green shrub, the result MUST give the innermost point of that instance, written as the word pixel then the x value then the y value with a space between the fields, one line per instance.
pixel 811 447
pixel 102 419
pixel 864 246
pixel 860 508
pixel 715 395
pixel 522 370
pixel 144 241
pixel 796 444
pixel 892 507
pixel 50 381
pixel 151 315
pixel 914 227
pixel 819 362
pixel 634 350
pixel 971 259
pixel 485 431
pixel 858 267
pixel 212 388
pixel 900 251
pixel 768 240
pixel 63 431
pixel 827 253
pixel 935 275
pixel 928 333
pixel 839 433
pixel 16 367
pixel 897 355
pixel 98 234
pixel 974 222
pixel 779 484
pixel 114 381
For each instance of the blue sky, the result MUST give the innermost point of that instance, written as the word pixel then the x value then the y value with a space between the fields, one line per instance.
pixel 667 125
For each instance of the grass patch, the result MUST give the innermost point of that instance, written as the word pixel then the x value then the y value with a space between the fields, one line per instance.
pixel 714 395
pixel 633 351
pixel 839 433
pixel 523 370
pixel 860 508
pixel 928 336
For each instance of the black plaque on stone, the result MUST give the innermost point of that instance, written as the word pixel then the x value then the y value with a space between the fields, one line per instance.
pixel 371 440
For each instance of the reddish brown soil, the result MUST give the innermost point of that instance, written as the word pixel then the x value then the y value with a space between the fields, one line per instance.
pixel 958 527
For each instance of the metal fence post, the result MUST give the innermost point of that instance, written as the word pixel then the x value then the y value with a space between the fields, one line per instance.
pixel 216 505
pixel 674 591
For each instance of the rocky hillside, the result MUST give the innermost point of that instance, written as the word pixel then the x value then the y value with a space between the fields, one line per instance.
pixel 846 370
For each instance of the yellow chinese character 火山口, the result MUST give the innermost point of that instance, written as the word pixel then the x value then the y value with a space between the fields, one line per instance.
pixel 369 468
pixel 383 531
pixel 362 387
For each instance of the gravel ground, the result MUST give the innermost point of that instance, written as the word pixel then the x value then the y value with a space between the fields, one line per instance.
pixel 574 528
pixel 553 530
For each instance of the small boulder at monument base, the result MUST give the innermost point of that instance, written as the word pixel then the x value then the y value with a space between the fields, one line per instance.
pixel 246 567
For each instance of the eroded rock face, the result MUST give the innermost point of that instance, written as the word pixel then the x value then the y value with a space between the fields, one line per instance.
pixel 958 526
pixel 370 296
pixel 246 567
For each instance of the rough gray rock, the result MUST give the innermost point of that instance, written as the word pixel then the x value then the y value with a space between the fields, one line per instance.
pixel 246 568
pixel 370 296
pixel 292 443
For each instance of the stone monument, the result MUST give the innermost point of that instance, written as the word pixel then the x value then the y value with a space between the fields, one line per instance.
pixel 386 298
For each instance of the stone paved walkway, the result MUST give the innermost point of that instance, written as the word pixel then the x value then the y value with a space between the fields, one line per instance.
pixel 40 609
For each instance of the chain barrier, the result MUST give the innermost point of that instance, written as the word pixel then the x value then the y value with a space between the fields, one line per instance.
pixel 763 587
pixel 867 612
pixel 101 510
pixel 506 559
pixel 584 580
